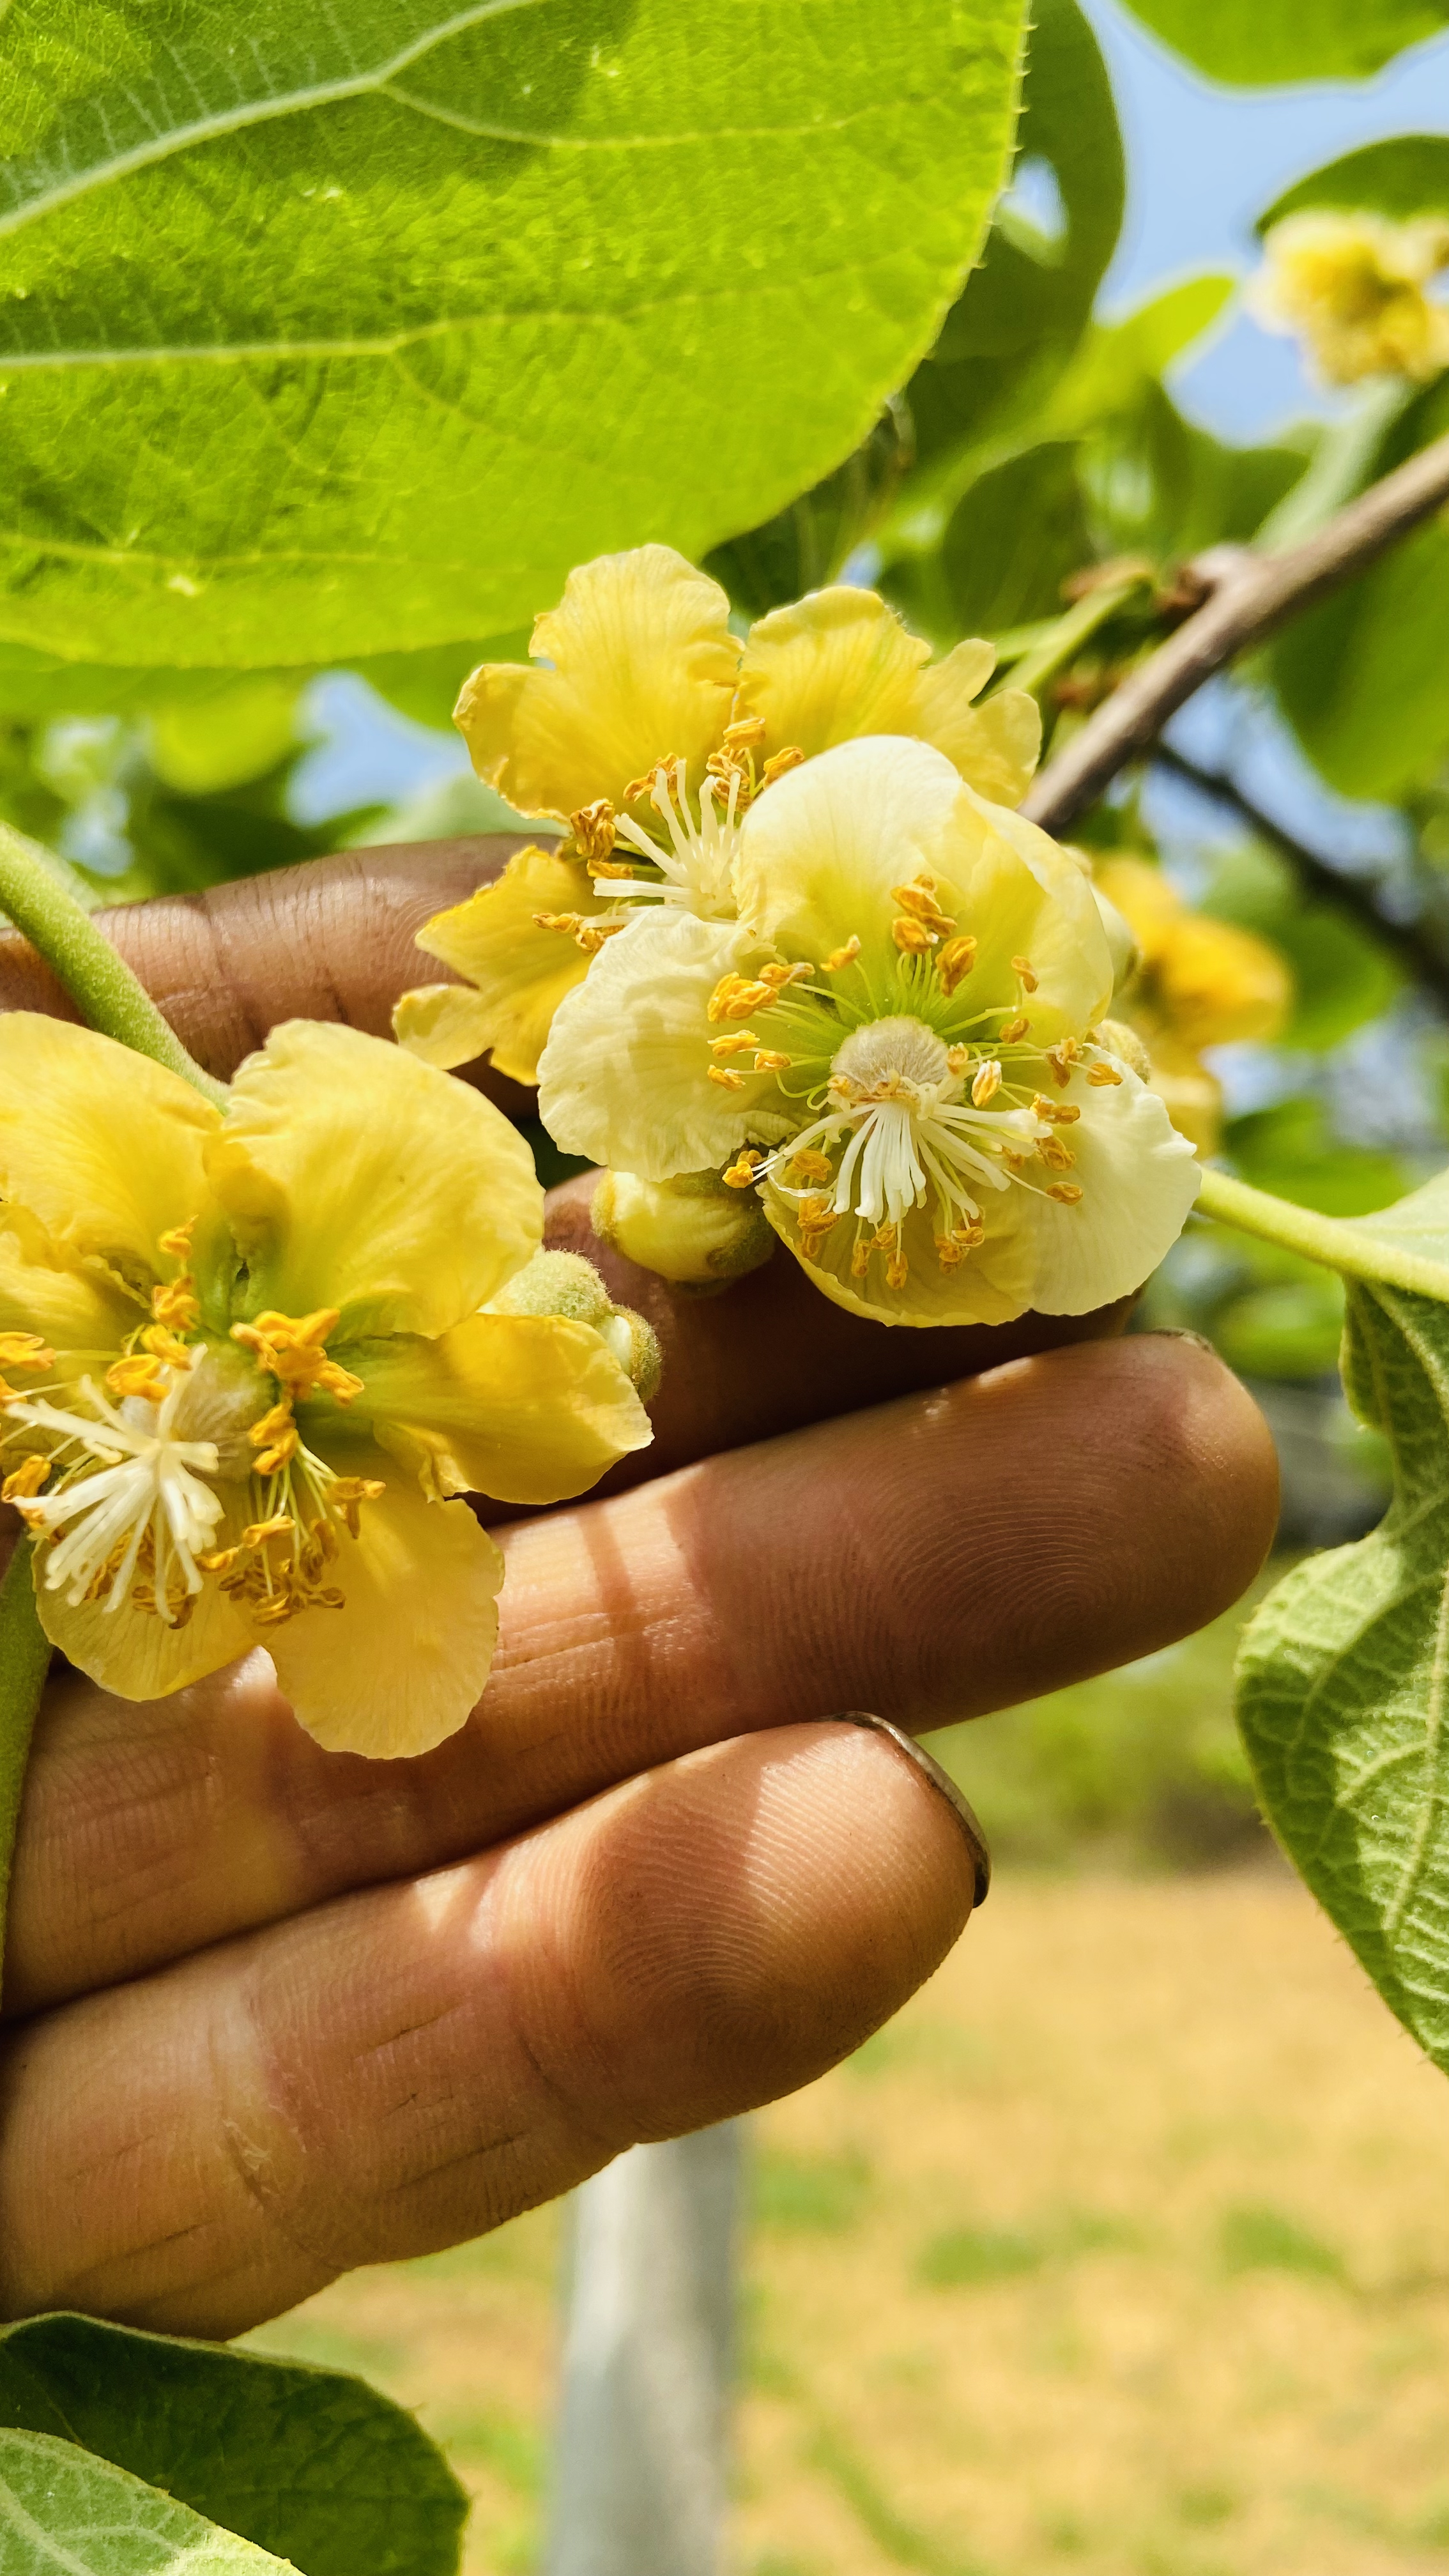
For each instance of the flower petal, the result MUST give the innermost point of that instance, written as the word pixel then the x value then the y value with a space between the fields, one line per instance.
pixel 102 1147
pixel 525 1408
pixel 1138 1179
pixel 625 1075
pixel 991 1286
pixel 442 1024
pixel 135 1654
pixel 72 1310
pixel 403 1663
pixel 996 747
pixel 837 664
pixel 354 1176
pixel 821 849
pixel 521 972
pixel 644 669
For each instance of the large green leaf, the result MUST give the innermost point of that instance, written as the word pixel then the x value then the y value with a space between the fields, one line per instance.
pixel 63 2513
pixel 1344 1671
pixel 353 328
pixel 1024 310
pixel 1247 42
pixel 1406 175
pixel 312 2465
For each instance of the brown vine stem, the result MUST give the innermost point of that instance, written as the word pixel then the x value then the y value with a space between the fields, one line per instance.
pixel 1255 594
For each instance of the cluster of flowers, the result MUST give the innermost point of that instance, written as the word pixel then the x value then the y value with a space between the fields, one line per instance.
pixel 1355 289
pixel 797 948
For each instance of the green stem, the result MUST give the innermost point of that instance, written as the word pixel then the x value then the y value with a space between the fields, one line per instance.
pixel 1320 1238
pixel 24 1663
pixel 1065 639
pixel 109 997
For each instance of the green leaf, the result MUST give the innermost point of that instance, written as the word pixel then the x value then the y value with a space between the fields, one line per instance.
pixel 1253 42
pixel 1014 536
pixel 1343 1672
pixel 1116 359
pixel 312 2465
pixel 359 332
pixel 1407 175
pixel 62 2510
pixel 1291 1151
pixel 1025 308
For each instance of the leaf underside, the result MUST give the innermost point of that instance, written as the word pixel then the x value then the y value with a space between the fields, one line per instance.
pixel 1343 1678
pixel 356 327
pixel 64 2513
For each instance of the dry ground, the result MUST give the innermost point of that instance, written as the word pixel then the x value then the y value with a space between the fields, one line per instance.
pixel 1124 2252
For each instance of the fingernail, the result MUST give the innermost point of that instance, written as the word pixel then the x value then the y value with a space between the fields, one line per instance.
pixel 1178 1333
pixel 931 1770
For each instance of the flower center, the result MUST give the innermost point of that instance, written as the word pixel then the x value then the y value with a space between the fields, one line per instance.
pixel 119 1483
pixel 902 1129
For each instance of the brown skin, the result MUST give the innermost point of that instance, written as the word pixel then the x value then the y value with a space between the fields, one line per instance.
pixel 278 2012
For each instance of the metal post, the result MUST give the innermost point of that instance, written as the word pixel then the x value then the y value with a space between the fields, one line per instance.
pixel 640 2474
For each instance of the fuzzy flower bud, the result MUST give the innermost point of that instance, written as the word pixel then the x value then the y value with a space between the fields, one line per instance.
pixel 1352 288
pixel 694 1231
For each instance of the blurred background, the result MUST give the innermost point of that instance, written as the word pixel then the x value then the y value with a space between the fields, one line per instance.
pixel 1127 2246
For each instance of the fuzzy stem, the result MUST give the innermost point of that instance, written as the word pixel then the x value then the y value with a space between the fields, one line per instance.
pixel 24 1663
pixel 109 997
pixel 1346 1248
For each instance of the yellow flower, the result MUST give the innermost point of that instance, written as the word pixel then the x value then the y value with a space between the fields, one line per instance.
pixel 1197 983
pixel 245 1370
pixel 1352 287
pixel 896 1044
pixel 649 728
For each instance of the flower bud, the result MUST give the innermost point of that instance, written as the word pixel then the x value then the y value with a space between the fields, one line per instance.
pixel 563 1283
pixel 1121 1041
pixel 693 1230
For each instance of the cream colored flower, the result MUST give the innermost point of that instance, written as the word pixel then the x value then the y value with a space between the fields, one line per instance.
pixel 1197 983
pixel 895 1042
pixel 1352 287
pixel 647 726
pixel 246 1371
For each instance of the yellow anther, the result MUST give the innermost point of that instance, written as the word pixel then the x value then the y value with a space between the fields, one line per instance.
pixel 745 734
pixel 594 828
pixel 1057 1113
pixel 164 1345
pixel 257 1533
pixel 1012 1030
pixel 1062 1057
pixel 1057 1156
pixel 610 868
pixel 1067 1191
pixel 138 1374
pixel 986 1084
pixel 571 922
pixel 897 1270
pixel 176 1244
pixel 173 1302
pixel 912 938
pixel 739 1042
pixel 274 1438
pixel 810 1166
pixel 770 1060
pixel 955 961
pixel 958 1058
pixel 726 1077
pixel 775 767
pixel 1022 967
pixel 775 978
pixel 741 1173
pixel 1100 1075
pixel 338 1382
pixel 734 997
pixel 25 1351
pixel 347 1494
pixel 219 1560
pixel 919 900
pixel 885 1238
pixel 949 1254
pixel 816 1214
pixel 25 1479
pixel 839 958
pixel 860 1260
pixel 591 935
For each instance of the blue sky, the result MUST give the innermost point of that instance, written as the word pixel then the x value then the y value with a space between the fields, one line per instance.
pixel 1203 161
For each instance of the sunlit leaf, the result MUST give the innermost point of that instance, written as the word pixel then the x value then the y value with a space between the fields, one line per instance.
pixel 1407 175
pixel 62 2510
pixel 349 331
pixel 1248 42
pixel 311 2464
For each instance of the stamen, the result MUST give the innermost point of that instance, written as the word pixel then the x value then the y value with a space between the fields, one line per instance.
pixel 955 962
pixel 840 958
pixel 25 1479
pixel 779 762
pixel 726 1077
pixel 986 1084
pixel 738 1044
pixel 1022 967
pixel 744 1171
pixel 594 828
pixel 736 996
pixel 1100 1075
pixel 1067 1191
pixel 1057 1113
pixel 1012 1030
pixel 770 1060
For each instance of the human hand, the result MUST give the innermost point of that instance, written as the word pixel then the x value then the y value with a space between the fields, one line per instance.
pixel 275 2012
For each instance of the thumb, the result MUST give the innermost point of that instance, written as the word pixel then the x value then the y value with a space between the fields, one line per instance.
pixel 330 940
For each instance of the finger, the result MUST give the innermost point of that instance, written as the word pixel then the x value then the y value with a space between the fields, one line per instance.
pixel 411 2066
pixel 334 940
pixel 936 1558
pixel 772 1354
